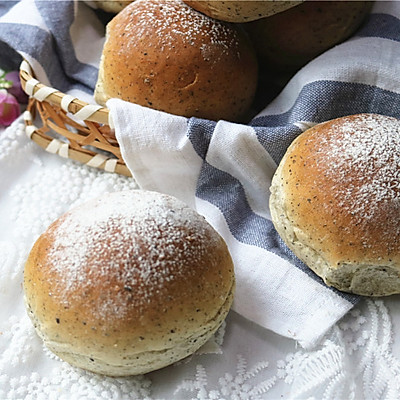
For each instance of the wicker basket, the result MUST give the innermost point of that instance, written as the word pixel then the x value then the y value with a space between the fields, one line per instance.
pixel 70 127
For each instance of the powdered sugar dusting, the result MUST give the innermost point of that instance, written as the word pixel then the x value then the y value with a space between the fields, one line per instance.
pixel 139 241
pixel 170 21
pixel 362 159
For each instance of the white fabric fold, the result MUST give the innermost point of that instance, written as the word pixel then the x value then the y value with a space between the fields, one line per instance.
pixel 271 291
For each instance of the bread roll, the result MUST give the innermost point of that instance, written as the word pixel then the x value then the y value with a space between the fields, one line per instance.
pixel 128 283
pixel 288 40
pixel 335 201
pixel 241 10
pixel 165 55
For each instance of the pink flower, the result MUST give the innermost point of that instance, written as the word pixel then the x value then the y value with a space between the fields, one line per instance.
pixel 9 108
pixel 16 89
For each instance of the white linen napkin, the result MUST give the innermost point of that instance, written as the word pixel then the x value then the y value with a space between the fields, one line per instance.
pixel 229 184
pixel 223 170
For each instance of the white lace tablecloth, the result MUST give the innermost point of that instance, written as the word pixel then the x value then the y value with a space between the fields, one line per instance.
pixel 358 359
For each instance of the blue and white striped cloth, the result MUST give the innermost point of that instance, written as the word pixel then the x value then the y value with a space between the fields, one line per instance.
pixel 222 169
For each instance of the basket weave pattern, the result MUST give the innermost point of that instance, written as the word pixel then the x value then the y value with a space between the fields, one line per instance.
pixel 70 127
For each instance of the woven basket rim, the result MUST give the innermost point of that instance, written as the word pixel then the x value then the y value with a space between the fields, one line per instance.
pixel 85 130
pixel 26 74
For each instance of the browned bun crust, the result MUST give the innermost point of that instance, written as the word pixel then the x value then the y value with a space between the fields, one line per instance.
pixel 165 55
pixel 335 200
pixel 240 11
pixel 288 40
pixel 128 283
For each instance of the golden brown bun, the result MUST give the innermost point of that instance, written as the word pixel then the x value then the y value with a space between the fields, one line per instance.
pixel 335 201
pixel 111 6
pixel 288 40
pixel 241 10
pixel 165 55
pixel 128 283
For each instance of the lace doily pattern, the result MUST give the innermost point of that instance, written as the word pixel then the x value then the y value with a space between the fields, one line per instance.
pixel 354 361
